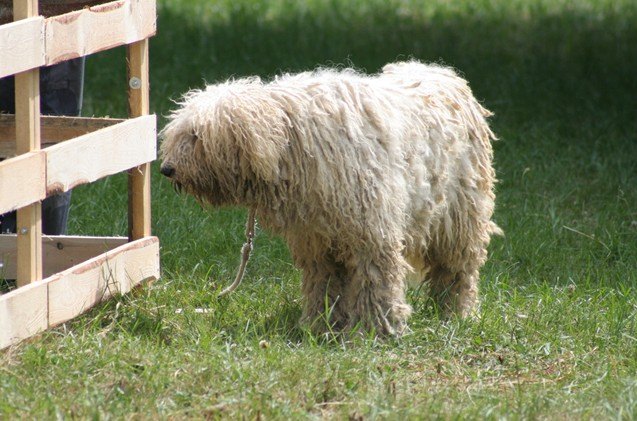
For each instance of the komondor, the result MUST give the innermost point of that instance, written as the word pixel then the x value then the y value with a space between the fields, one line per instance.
pixel 370 180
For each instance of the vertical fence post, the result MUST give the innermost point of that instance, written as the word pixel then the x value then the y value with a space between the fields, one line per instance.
pixel 27 109
pixel 138 178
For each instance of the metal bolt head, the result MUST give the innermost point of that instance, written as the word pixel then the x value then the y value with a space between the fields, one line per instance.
pixel 135 83
pixel 24 231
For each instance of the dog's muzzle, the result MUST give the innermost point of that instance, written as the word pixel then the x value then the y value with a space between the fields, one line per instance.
pixel 167 170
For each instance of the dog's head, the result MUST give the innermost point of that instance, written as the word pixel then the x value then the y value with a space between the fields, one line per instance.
pixel 225 140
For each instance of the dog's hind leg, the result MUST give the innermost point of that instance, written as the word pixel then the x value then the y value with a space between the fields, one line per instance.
pixel 458 253
pixel 455 292
pixel 454 275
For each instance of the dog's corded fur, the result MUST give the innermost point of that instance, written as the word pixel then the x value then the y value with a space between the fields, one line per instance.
pixel 368 178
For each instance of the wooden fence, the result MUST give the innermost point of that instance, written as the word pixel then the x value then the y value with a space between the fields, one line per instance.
pixel 59 277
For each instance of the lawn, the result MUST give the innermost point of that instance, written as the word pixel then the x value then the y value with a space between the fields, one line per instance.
pixel 557 336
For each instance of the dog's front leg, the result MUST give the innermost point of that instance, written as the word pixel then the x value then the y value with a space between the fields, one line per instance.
pixel 375 293
pixel 323 281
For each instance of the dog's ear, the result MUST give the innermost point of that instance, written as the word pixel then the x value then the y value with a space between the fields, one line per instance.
pixel 261 129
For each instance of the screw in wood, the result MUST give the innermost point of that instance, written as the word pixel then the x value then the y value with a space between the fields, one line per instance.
pixel 135 83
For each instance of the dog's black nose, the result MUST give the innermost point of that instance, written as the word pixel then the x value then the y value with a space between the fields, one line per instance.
pixel 167 170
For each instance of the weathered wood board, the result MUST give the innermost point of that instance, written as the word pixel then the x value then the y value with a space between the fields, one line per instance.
pixel 38 306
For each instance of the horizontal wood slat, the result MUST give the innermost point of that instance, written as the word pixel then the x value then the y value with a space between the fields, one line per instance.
pixel 57 128
pixel 53 129
pixel 101 153
pixel 22 181
pixel 79 288
pixel 23 313
pixel 59 252
pixel 21 46
pixel 84 159
pixel 98 28
pixel 39 41
pixel 33 308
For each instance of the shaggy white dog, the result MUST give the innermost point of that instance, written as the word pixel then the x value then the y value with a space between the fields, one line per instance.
pixel 368 179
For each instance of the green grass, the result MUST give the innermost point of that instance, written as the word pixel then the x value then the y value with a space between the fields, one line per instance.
pixel 557 337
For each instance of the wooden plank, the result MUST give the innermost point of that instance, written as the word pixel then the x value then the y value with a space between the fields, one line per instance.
pixel 53 129
pixel 23 9
pixel 138 79
pixel 59 252
pixel 27 105
pixel 98 28
pixel 21 46
pixel 29 226
pixel 23 313
pixel 22 181
pixel 31 309
pixel 101 153
pixel 79 288
pixel 139 210
pixel 51 7
pixel 141 263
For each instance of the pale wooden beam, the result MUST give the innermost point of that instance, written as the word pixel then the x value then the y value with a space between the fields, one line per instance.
pixel 27 104
pixel 59 252
pixel 21 46
pixel 139 216
pixel 101 153
pixel 98 28
pixel 22 181
pixel 75 290
pixel 29 310
pixel 23 313
pixel 35 41
pixel 55 129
